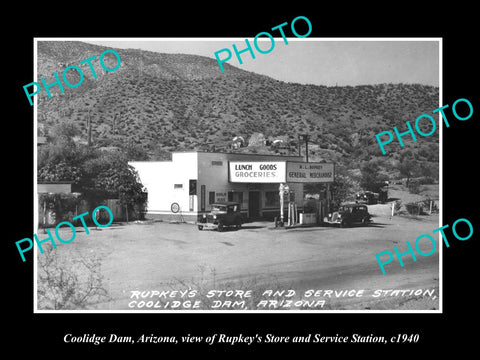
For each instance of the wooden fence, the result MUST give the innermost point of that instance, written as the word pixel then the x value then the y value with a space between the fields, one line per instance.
pixel 49 217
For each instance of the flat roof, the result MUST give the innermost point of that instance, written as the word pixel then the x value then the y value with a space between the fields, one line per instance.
pixel 216 152
pixel 232 153
pixel 55 182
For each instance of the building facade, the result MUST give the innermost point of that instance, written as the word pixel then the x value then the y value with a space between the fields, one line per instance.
pixel 187 185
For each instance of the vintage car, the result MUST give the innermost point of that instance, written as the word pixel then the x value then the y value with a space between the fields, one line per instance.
pixel 367 197
pixel 348 215
pixel 222 215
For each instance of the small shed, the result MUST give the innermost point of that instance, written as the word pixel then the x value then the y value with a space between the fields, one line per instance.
pixel 57 187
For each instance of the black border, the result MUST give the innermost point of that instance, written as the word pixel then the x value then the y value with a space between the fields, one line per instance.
pixel 455 24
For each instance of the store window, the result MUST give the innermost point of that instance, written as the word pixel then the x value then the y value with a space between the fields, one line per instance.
pixel 272 199
pixel 211 197
pixel 236 196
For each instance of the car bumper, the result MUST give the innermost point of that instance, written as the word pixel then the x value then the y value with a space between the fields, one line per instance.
pixel 333 222
pixel 339 221
pixel 208 226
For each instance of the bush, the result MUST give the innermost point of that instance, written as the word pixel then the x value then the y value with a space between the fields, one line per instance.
pixel 426 205
pixel 72 285
pixel 426 180
pixel 414 187
pixel 64 206
pixel 397 206
pixel 414 208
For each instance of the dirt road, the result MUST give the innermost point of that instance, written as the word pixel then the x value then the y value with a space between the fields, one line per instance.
pixel 158 256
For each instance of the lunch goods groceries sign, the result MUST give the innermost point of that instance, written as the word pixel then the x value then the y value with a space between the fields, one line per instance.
pixel 279 172
pixel 257 171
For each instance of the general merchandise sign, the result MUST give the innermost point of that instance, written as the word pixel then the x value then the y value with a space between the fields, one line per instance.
pixel 310 172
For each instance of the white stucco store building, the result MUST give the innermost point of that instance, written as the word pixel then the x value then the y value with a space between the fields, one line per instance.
pixel 187 185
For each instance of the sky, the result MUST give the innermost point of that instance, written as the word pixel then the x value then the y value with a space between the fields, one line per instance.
pixel 315 61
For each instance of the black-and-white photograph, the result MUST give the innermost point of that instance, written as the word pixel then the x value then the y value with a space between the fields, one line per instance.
pixel 255 175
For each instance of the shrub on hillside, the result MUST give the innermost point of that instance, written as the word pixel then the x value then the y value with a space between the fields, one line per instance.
pixel 414 187
pixel 414 209
pixel 426 180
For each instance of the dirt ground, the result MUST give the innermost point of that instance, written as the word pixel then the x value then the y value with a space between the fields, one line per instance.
pixel 159 256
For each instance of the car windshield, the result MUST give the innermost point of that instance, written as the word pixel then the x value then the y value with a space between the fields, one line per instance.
pixel 232 208
pixel 219 208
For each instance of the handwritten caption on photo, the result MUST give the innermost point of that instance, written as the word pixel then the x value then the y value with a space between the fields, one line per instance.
pixel 238 299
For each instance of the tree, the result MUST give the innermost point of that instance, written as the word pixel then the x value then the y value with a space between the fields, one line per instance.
pixel 54 172
pixel 110 176
pixel 99 175
pixel 407 166
pixel 135 152
pixel 64 132
pixel 60 159
pixel 342 189
pixel 372 179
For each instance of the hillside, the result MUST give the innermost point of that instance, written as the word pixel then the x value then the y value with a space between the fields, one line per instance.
pixel 168 102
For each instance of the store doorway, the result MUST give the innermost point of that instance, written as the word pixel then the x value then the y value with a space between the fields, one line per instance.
pixel 254 204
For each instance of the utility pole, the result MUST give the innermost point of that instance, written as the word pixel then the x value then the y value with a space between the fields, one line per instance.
pixel 306 147
pixel 304 137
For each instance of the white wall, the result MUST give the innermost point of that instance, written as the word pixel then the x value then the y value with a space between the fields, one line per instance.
pixel 159 178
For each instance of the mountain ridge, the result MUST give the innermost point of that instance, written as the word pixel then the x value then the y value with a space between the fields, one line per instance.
pixel 169 102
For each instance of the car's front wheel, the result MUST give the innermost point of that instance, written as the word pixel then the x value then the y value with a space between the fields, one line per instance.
pixel 200 227
pixel 344 223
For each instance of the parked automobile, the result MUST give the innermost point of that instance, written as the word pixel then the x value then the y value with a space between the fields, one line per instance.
pixel 367 197
pixel 222 215
pixel 348 215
